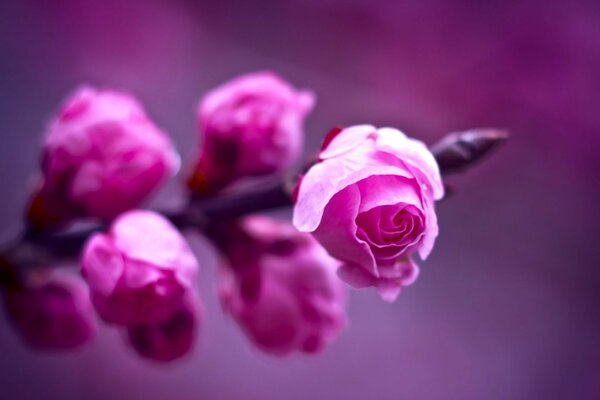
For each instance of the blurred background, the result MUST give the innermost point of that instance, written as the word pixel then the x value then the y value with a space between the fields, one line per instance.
pixel 507 305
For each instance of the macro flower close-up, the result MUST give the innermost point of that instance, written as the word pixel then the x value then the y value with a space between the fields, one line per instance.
pixel 299 200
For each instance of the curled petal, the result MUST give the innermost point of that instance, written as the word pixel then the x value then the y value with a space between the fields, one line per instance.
pixel 416 155
pixel 102 264
pixel 347 140
pixel 389 284
pixel 337 233
pixel 331 176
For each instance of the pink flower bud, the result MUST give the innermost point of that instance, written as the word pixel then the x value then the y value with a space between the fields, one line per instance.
pixel 102 155
pixel 56 314
pixel 250 126
pixel 171 338
pixel 370 203
pixel 282 289
pixel 140 271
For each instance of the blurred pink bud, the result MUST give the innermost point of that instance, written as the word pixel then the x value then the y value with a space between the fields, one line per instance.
pixel 282 289
pixel 54 315
pixel 370 203
pixel 140 271
pixel 171 338
pixel 102 155
pixel 250 126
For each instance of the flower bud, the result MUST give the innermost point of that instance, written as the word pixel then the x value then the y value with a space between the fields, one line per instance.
pixel 171 338
pixel 370 201
pixel 56 314
pixel 281 288
pixel 250 126
pixel 460 150
pixel 101 156
pixel 140 271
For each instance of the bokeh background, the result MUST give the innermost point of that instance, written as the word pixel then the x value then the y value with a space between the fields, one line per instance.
pixel 506 307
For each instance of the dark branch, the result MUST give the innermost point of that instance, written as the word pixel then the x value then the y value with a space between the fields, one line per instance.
pixel 455 152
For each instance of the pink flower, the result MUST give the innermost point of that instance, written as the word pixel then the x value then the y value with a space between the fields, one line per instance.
pixel 102 155
pixel 56 314
pixel 370 203
pixel 140 271
pixel 171 338
pixel 250 126
pixel 282 289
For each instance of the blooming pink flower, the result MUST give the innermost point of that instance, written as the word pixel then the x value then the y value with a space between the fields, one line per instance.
pixel 140 271
pixel 251 125
pixel 370 203
pixel 56 314
pixel 171 338
pixel 102 155
pixel 282 289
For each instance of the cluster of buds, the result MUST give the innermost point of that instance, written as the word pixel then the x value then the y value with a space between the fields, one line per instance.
pixel 362 212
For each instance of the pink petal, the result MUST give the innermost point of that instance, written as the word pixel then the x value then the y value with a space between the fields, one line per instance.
pixel 337 231
pixel 139 274
pixel 325 179
pixel 431 230
pixel 102 264
pixel 355 275
pixel 147 236
pixel 415 154
pixel 404 273
pixel 383 190
pixel 347 140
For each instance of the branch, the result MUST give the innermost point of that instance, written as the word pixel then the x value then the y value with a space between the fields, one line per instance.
pixel 455 152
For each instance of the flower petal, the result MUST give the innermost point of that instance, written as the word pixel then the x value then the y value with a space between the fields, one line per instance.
pixel 431 230
pixel 147 236
pixel 415 154
pixel 347 140
pixel 403 273
pixel 337 232
pixel 325 179
pixel 102 264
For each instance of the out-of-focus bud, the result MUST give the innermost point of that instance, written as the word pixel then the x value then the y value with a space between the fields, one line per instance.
pixel 282 288
pixel 171 338
pixel 140 271
pixel 250 126
pixel 54 314
pixel 101 156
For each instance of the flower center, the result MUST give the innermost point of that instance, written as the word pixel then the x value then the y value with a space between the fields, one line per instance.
pixel 390 229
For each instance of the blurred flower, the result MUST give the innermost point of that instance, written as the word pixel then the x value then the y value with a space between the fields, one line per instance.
pixel 281 288
pixel 370 203
pixel 140 271
pixel 171 338
pixel 101 156
pixel 250 126
pixel 56 314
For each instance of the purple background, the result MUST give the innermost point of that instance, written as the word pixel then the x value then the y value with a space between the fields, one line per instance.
pixel 507 305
